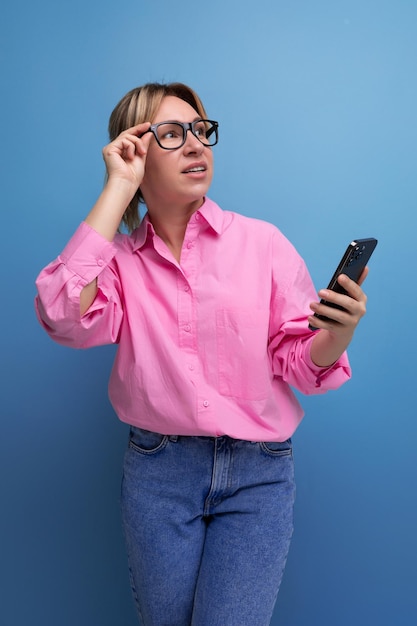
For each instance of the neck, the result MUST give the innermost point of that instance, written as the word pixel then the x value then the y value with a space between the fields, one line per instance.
pixel 170 225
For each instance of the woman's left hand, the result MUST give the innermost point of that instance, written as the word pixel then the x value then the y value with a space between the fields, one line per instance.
pixel 341 323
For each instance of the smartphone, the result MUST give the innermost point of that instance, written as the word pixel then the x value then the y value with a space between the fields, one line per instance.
pixel 352 263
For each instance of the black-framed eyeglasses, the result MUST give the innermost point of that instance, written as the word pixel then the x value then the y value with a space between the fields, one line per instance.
pixel 171 135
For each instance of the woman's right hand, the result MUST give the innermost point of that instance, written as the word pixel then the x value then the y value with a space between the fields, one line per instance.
pixel 125 159
pixel 125 156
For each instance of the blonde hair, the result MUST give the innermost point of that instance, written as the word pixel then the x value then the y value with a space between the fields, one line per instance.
pixel 140 105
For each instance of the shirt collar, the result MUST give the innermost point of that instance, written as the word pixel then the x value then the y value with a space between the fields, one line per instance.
pixel 142 233
pixel 209 210
pixel 213 215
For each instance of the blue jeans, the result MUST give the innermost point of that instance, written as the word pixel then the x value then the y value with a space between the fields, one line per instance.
pixel 208 523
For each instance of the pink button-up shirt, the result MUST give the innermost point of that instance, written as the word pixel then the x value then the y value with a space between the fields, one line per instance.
pixel 209 346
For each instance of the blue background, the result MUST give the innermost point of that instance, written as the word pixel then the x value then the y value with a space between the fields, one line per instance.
pixel 317 106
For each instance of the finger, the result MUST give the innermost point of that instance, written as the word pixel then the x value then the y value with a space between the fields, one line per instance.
pixel 132 145
pixel 335 320
pixel 139 129
pixel 331 313
pixel 323 324
pixel 125 146
pixel 133 134
pixel 363 276
pixel 350 286
pixel 144 141
pixel 335 305
pixel 139 137
pixel 128 145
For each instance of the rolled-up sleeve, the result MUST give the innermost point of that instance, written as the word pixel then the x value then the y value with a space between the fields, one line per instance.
pixel 302 373
pixel 290 337
pixel 86 257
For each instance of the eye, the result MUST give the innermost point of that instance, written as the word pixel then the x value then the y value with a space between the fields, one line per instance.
pixel 170 131
pixel 200 129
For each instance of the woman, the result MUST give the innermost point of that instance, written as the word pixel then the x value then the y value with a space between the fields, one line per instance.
pixel 210 310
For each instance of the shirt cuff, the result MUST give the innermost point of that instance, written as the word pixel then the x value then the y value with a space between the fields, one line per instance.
pixel 331 376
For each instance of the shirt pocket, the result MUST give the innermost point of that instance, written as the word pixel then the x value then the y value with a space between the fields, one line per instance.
pixel 243 364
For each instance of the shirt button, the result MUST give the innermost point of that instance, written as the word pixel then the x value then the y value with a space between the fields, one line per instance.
pixel 206 403
pixel 197 217
pixel 100 262
pixel 186 288
pixel 190 244
pixel 187 328
pixel 191 368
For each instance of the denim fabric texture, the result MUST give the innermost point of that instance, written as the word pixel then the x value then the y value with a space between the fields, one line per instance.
pixel 208 523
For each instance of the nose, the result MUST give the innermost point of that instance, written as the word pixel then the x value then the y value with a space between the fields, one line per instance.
pixel 192 144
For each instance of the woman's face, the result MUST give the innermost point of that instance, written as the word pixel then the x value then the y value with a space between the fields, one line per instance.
pixel 171 178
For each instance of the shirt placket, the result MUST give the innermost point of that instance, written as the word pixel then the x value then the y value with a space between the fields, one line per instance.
pixel 187 323
pixel 187 309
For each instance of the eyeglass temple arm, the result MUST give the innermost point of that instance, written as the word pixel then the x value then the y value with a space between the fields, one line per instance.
pixel 212 129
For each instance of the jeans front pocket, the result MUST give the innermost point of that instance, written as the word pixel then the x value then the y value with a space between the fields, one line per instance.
pixel 146 441
pixel 277 448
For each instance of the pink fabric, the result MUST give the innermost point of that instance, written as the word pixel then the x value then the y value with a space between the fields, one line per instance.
pixel 207 347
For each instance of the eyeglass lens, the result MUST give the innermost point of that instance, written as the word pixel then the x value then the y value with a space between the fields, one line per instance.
pixel 171 135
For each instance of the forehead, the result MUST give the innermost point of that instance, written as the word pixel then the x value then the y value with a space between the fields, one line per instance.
pixel 173 108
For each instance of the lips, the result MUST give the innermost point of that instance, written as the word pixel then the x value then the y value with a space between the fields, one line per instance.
pixel 195 168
